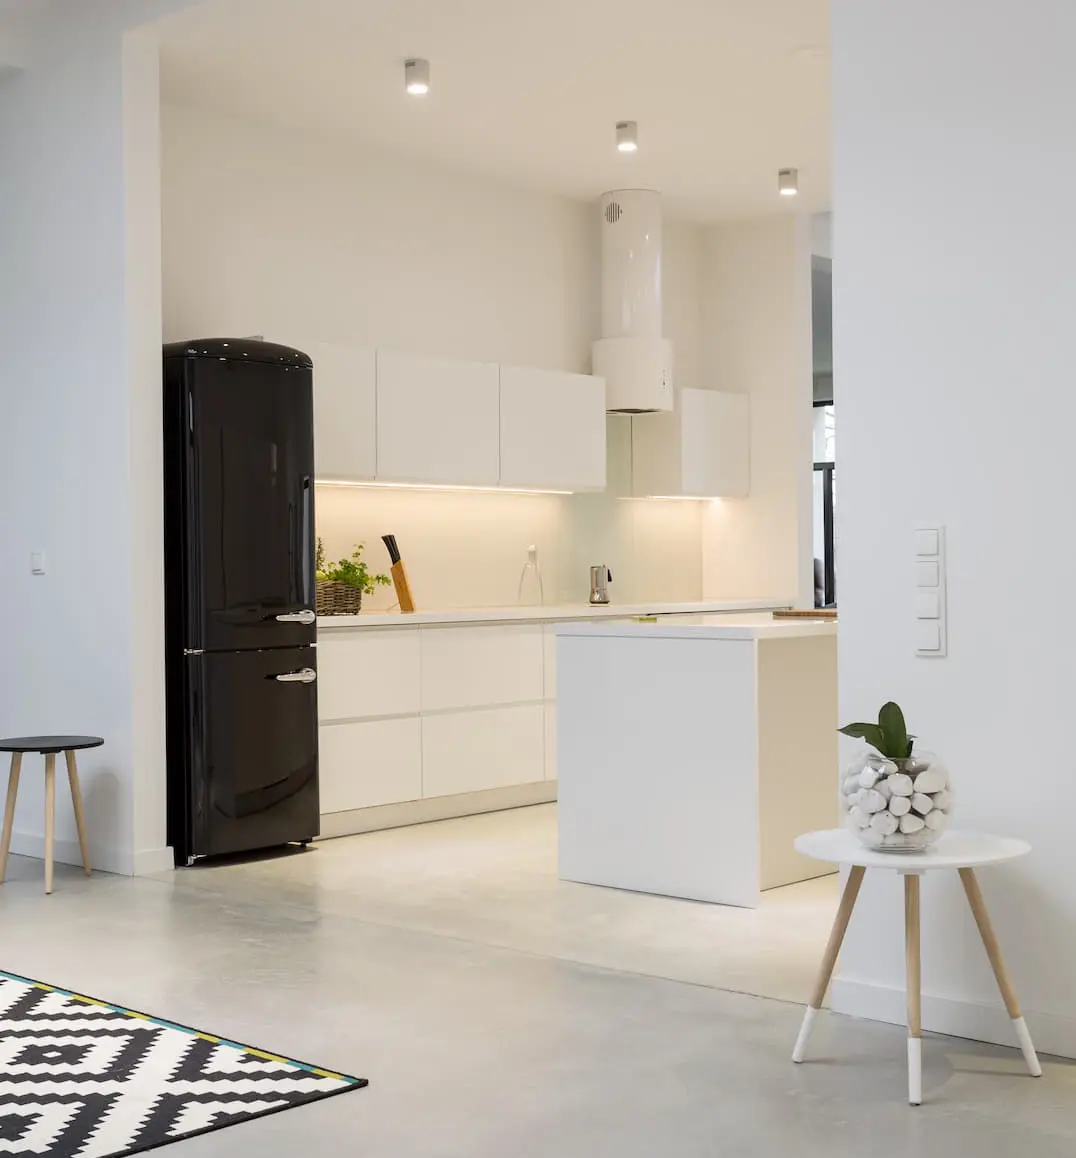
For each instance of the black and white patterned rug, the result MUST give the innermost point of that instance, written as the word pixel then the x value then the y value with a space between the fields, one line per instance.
pixel 83 1079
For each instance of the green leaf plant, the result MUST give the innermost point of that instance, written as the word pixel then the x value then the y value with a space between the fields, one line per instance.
pixel 352 571
pixel 889 736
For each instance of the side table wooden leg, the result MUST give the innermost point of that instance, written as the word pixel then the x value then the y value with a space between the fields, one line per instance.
pixel 913 963
pixel 829 958
pixel 997 962
pixel 50 817
pixel 9 811
pixel 80 816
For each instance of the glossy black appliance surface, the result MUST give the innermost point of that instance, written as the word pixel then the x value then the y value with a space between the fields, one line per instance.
pixel 239 585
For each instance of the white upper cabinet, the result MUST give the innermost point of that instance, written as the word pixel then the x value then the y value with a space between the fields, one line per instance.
pixel 437 420
pixel 552 430
pixel 702 449
pixel 345 411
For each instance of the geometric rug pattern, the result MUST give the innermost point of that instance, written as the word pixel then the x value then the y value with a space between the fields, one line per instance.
pixel 83 1079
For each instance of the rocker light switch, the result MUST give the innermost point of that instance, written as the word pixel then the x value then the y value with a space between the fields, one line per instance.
pixel 37 563
pixel 926 542
pixel 927 575
pixel 928 636
pixel 927 605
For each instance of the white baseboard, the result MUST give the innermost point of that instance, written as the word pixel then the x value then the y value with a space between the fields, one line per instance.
pixel 107 859
pixel 1052 1033
pixel 360 820
pixel 150 861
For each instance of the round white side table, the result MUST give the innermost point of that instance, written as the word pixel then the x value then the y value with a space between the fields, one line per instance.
pixel 963 851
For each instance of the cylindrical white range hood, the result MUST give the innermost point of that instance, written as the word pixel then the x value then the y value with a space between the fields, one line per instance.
pixel 632 356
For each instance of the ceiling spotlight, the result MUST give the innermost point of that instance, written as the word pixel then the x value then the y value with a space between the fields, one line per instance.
pixel 417 76
pixel 788 182
pixel 627 136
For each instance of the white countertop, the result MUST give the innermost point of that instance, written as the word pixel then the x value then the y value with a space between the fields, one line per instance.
pixel 550 614
pixel 756 626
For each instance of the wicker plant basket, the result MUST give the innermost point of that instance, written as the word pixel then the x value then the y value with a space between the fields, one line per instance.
pixel 338 598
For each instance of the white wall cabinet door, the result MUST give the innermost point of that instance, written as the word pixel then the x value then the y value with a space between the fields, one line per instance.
pixel 345 411
pixel 702 449
pixel 437 420
pixel 552 430
pixel 474 751
pixel 363 765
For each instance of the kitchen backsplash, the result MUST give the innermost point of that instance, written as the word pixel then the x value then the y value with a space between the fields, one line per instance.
pixel 468 548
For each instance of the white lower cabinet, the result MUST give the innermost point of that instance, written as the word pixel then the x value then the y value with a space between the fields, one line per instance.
pixel 473 751
pixel 375 673
pixel 469 667
pixel 370 763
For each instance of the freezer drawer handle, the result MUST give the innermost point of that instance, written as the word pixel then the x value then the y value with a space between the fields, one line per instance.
pixel 305 676
pixel 304 616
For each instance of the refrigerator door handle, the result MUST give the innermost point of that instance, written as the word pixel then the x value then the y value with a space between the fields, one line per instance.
pixel 305 616
pixel 305 675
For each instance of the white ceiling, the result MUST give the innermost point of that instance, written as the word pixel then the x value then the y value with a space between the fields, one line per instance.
pixel 527 91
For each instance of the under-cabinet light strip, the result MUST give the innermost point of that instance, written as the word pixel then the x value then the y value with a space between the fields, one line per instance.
pixel 332 482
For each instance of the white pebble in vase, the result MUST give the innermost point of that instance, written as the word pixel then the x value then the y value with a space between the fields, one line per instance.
pixel 884 823
pixel 900 805
pixel 911 823
pixel 868 778
pixel 901 784
pixel 872 801
pixel 943 799
pixel 922 803
pixel 936 820
pixel 929 781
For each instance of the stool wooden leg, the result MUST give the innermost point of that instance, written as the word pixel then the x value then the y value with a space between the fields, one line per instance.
pixel 9 811
pixel 997 962
pixel 829 958
pixel 80 816
pixel 913 962
pixel 50 817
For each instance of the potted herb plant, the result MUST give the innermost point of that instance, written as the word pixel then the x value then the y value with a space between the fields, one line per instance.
pixel 341 585
pixel 893 797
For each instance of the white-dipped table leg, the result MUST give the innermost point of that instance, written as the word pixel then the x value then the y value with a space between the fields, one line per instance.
pixel 829 958
pixel 913 961
pixel 997 962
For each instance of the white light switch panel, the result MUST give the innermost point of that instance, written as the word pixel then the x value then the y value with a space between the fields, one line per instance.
pixel 931 634
pixel 37 563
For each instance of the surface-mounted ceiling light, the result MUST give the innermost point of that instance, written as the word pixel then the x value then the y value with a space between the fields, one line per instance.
pixel 788 182
pixel 417 76
pixel 627 136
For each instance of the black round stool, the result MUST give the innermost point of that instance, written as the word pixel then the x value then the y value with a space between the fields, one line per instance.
pixel 48 746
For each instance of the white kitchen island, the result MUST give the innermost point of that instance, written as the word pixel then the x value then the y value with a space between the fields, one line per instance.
pixel 691 753
pixel 445 713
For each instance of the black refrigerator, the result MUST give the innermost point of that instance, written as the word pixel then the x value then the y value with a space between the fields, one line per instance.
pixel 240 623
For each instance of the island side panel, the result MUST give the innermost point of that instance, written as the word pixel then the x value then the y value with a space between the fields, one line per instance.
pixel 798 771
pixel 656 751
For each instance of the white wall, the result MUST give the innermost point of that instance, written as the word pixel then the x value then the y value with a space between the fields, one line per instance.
pixel 953 367
pixel 757 341
pixel 79 323
pixel 344 244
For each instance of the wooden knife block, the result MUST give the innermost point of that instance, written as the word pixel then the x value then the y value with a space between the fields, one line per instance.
pixel 403 587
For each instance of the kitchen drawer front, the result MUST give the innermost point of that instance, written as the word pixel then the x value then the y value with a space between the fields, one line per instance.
pixel 364 765
pixel 373 673
pixel 551 741
pixel 473 751
pixel 470 667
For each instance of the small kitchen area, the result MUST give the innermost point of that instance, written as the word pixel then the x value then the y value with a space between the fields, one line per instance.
pixel 544 404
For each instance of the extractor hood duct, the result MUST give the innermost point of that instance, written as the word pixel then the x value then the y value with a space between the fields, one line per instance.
pixel 631 355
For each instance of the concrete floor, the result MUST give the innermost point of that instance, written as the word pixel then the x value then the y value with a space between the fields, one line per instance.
pixel 467 992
